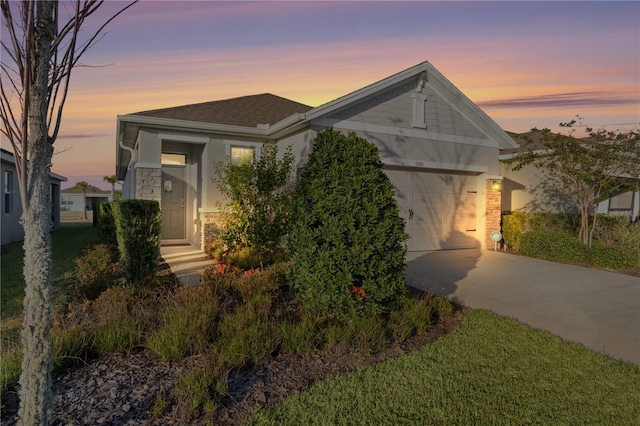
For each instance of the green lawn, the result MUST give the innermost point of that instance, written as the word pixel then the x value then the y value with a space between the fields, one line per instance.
pixel 67 244
pixel 490 370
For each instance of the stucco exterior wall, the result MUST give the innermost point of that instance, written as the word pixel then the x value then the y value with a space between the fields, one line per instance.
pixel 522 190
pixel 11 229
pixel 149 147
pixel 301 146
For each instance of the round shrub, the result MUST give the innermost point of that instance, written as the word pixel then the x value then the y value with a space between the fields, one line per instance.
pixel 346 240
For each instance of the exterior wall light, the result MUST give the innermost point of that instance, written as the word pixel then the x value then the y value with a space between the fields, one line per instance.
pixel 496 185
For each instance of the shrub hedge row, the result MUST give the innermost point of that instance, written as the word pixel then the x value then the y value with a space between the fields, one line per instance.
pixel 616 242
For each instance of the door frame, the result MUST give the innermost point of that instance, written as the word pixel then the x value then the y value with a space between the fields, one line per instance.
pixel 184 240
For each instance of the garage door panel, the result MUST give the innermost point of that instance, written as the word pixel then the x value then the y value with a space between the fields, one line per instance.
pixel 439 209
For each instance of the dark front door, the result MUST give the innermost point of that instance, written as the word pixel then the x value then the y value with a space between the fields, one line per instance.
pixel 173 203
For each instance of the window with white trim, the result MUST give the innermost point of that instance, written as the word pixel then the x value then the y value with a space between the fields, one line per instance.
pixel 8 186
pixel 622 201
pixel 168 159
pixel 242 154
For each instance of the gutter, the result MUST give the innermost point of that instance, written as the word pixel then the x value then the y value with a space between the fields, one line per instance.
pixel 193 125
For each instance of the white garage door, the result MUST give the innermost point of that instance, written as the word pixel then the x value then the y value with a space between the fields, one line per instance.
pixel 439 209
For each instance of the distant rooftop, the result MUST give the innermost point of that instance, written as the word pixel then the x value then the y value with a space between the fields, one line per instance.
pixel 90 190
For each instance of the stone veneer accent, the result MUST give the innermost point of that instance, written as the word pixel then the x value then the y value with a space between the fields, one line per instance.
pixel 493 211
pixel 149 183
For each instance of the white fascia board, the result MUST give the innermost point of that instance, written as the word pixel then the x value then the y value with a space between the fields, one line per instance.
pixel 11 159
pixel 398 131
pixel 193 125
pixel 433 165
pixel 226 129
pixel 58 177
pixel 515 154
pixel 288 122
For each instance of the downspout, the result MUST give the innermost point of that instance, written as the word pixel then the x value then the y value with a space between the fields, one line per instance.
pixel 132 160
pixel 131 150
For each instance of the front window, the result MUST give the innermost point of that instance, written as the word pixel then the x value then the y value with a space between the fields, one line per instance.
pixel 242 154
pixel 173 159
pixel 8 185
pixel 622 201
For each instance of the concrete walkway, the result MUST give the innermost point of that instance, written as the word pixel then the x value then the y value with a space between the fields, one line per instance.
pixel 186 262
pixel 599 309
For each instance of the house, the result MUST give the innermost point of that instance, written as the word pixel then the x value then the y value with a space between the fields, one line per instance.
pixel 438 148
pixel 71 200
pixel 11 205
pixel 522 189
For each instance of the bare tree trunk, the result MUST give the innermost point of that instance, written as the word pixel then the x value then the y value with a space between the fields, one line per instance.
pixel 35 379
pixel 584 224
pixel 593 225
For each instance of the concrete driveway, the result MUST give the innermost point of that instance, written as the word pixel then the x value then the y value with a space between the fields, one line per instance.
pixel 599 309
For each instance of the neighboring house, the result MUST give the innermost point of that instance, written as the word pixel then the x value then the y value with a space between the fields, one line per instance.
pixel 71 200
pixel 11 206
pixel 439 149
pixel 522 190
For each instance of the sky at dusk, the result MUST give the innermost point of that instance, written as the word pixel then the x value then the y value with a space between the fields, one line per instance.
pixel 526 64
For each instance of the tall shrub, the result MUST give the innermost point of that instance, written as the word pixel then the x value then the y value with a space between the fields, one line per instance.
pixel 138 224
pixel 346 241
pixel 259 201
pixel 106 224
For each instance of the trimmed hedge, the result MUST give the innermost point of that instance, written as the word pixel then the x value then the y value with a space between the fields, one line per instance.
pixel 138 225
pixel 106 224
pixel 558 246
pixel 515 224
pixel 616 242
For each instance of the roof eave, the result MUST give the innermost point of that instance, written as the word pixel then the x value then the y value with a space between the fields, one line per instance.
pixel 192 125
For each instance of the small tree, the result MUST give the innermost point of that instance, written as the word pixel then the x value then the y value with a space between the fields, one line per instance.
pixel 259 201
pixel 111 180
pixel 38 54
pixel 83 186
pixel 587 171
pixel 346 241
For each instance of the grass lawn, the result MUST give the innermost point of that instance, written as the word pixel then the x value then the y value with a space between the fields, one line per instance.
pixel 490 370
pixel 67 244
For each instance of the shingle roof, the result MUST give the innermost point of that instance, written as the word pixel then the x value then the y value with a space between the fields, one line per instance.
pixel 247 111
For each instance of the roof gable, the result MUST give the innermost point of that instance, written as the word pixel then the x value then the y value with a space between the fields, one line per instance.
pixel 245 111
pixel 437 82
